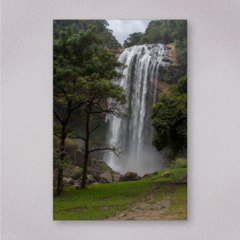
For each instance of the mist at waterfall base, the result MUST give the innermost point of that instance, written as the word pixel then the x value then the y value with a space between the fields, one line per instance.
pixel 134 134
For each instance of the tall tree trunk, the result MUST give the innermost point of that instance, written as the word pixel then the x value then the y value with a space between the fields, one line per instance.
pixel 60 182
pixel 84 171
pixel 86 153
pixel 60 171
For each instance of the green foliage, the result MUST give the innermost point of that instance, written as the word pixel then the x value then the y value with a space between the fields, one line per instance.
pixel 163 31
pixel 84 75
pixel 61 160
pixel 180 88
pixel 71 148
pixel 181 48
pixel 169 118
pixel 82 72
pixel 133 39
pixel 103 166
pixel 78 25
pixel 179 163
pixel 72 55
pixel 159 31
pixel 83 68
pixel 75 173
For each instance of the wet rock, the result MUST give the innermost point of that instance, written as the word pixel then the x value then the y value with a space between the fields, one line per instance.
pixel 78 182
pixel 146 175
pixel 107 176
pixel 96 176
pixel 122 178
pixel 67 181
pixel 132 176
pixel 91 178
pixel 111 176
pixel 104 180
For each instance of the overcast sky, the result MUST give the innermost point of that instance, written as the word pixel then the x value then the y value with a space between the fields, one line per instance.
pixel 122 28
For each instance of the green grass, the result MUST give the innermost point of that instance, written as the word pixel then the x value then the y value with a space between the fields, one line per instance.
pixel 178 201
pixel 163 192
pixel 177 174
pixel 99 201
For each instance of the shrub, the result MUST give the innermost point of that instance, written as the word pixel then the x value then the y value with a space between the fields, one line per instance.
pixel 75 173
pixel 179 163
pixel 103 166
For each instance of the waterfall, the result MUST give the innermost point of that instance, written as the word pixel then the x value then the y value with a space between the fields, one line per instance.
pixel 135 133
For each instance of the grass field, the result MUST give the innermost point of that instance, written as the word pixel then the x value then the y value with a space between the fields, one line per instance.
pixel 99 201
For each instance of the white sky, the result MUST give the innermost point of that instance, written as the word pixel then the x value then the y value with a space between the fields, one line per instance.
pixel 122 28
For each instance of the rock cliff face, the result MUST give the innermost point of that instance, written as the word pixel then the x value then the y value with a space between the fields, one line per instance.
pixel 168 74
pixel 116 51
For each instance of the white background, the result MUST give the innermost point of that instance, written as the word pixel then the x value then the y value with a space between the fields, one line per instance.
pixel 213 119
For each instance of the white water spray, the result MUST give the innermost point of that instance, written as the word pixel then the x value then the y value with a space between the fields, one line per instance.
pixel 135 133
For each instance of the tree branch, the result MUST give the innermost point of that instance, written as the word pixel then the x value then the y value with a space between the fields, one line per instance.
pixel 56 115
pixel 94 128
pixel 77 136
pixel 56 135
pixel 79 105
pixel 107 148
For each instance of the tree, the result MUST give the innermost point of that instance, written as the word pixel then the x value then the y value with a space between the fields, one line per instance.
pixel 77 25
pixel 83 73
pixel 169 118
pixel 71 54
pixel 99 86
pixel 133 39
pixel 164 31
pixel 61 160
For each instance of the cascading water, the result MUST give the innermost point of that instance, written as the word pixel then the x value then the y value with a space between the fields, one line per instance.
pixel 135 133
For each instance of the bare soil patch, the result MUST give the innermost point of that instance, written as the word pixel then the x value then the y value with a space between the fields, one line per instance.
pixel 149 208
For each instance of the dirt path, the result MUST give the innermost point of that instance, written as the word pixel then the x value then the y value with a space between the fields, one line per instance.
pixel 148 208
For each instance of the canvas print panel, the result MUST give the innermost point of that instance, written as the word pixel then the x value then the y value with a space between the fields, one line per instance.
pixel 120 119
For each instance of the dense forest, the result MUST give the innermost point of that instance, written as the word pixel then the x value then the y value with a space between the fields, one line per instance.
pixel 158 31
pixel 163 31
pixel 76 25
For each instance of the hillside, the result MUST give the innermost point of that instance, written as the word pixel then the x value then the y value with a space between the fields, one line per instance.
pixel 161 195
pixel 77 25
